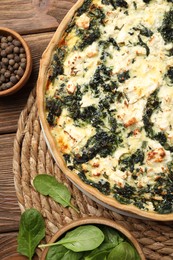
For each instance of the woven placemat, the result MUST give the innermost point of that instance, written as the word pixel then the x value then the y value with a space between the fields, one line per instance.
pixel 32 157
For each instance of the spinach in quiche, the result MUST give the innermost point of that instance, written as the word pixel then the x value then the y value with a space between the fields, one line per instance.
pixel 109 100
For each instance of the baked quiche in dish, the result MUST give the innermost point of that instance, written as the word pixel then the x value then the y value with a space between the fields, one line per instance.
pixel 105 101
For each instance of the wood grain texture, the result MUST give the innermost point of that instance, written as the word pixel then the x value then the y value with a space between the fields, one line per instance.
pixel 32 16
pixel 36 20
pixel 9 241
pixel 9 209
pixel 11 106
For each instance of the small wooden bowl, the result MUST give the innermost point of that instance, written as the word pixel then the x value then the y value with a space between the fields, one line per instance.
pixel 94 221
pixel 6 32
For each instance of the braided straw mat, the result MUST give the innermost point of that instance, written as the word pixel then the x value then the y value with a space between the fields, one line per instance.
pixel 32 157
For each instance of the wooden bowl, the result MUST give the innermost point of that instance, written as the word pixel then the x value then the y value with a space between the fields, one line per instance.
pixel 6 32
pixel 94 221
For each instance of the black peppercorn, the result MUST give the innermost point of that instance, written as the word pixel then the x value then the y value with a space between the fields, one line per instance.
pixel 12 61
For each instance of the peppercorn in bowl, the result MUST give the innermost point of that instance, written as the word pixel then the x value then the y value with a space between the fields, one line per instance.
pixel 15 61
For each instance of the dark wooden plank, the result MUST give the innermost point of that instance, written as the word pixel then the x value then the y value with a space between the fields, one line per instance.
pixel 32 16
pixel 11 106
pixel 9 209
pixel 8 245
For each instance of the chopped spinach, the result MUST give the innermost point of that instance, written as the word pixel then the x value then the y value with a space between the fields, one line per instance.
pixel 163 187
pixel 107 43
pixel 54 109
pixel 121 198
pixel 135 5
pixel 146 1
pixel 50 119
pixel 97 14
pixel 105 55
pixel 57 63
pixel 114 43
pixel 84 8
pixel 170 52
pixel 67 157
pixel 106 101
pixel 139 204
pixel 102 185
pixel 54 106
pixel 170 74
pixel 105 2
pixel 101 76
pixel 123 76
pixel 115 3
pixel 144 30
pixel 109 86
pixel 153 103
pixel 74 110
pixel 127 191
pixel 101 143
pixel 89 37
pixel 70 26
pixel 89 113
pixel 161 138
pixel 119 3
pixel 72 102
pixel 165 207
pixel 128 162
pixel 143 44
pixel 166 29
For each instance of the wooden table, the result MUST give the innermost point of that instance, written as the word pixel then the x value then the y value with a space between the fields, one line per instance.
pixel 36 20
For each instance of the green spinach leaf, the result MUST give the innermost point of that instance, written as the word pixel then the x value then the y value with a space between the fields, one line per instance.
pixel 48 185
pixel 112 239
pixel 31 232
pixel 99 253
pixel 112 236
pixel 60 252
pixel 123 251
pixel 80 239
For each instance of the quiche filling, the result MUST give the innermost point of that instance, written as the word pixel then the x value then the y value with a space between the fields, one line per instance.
pixel 109 100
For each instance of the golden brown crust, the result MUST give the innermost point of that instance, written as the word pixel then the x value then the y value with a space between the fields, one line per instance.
pixel 90 191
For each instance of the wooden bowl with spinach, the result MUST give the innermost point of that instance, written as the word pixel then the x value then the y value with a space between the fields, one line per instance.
pixel 92 238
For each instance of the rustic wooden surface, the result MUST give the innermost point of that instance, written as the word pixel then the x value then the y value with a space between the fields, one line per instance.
pixel 36 20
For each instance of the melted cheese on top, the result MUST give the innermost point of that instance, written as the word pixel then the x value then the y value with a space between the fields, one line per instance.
pixel 146 59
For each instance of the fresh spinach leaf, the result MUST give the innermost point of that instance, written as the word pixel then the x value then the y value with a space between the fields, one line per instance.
pixel 99 253
pixel 60 252
pixel 48 185
pixel 111 235
pixel 31 232
pixel 112 239
pixel 80 239
pixel 123 251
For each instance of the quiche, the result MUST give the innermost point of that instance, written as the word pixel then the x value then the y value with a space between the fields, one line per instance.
pixel 105 101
